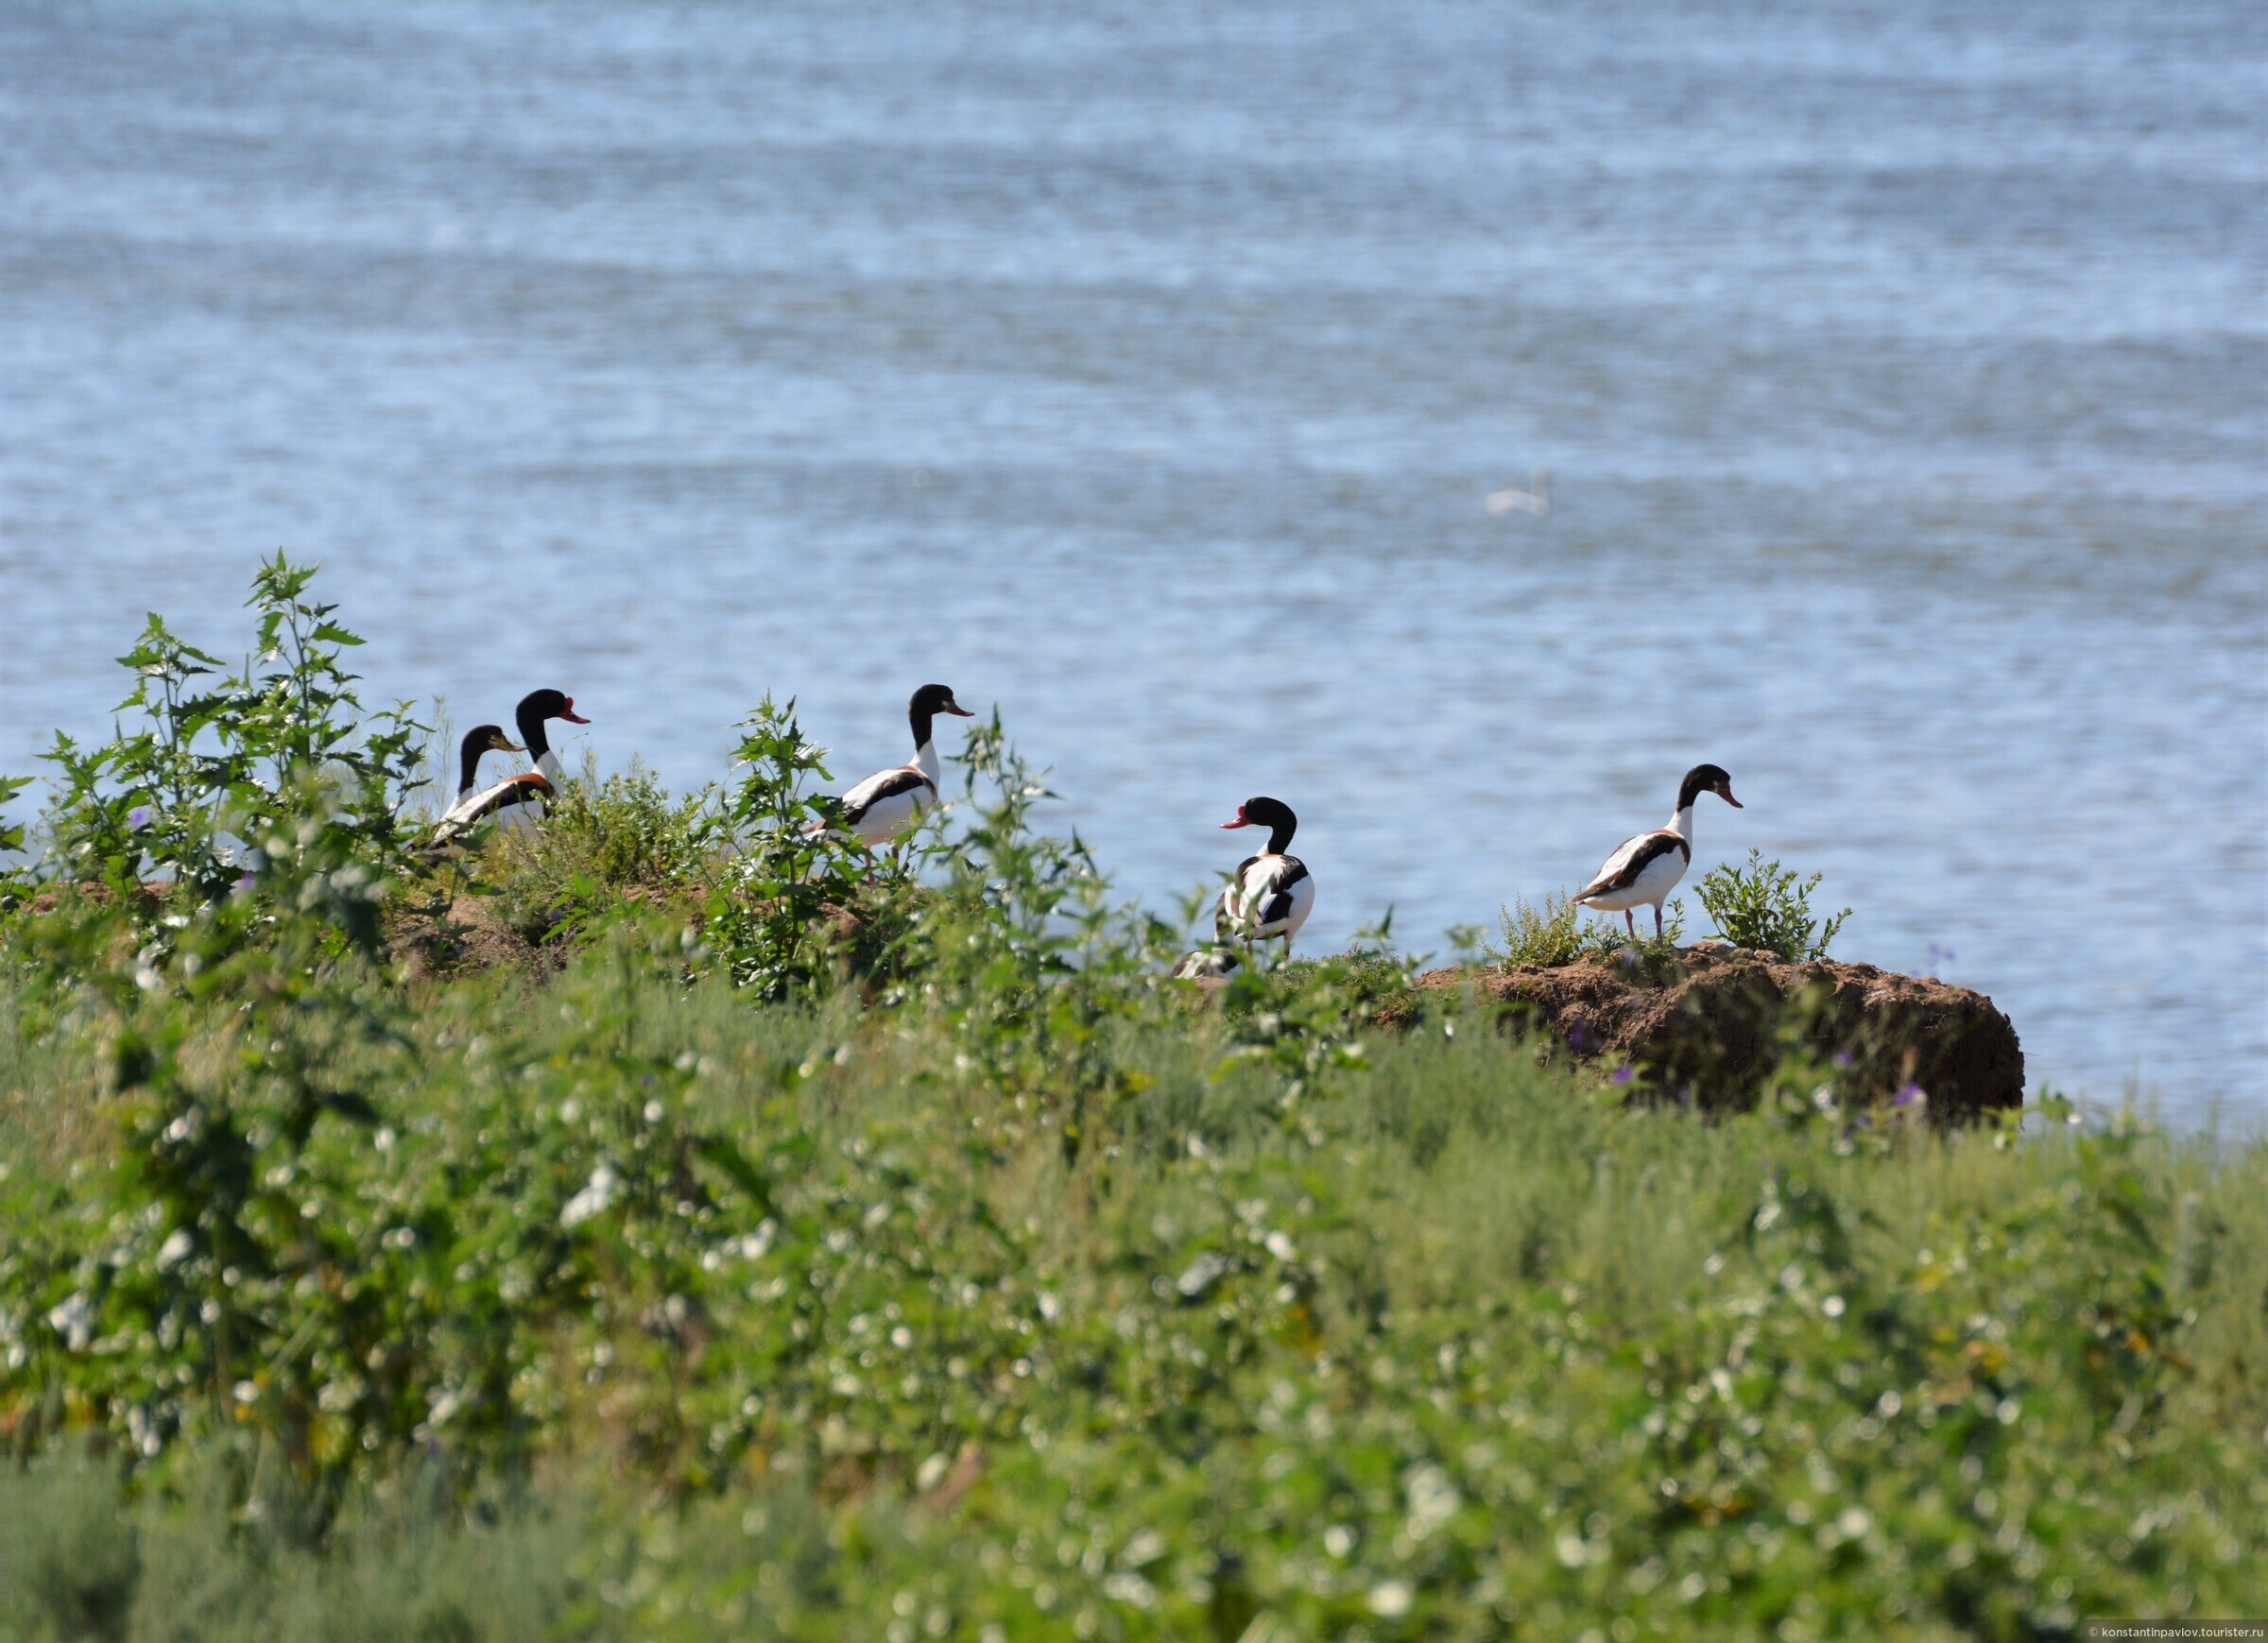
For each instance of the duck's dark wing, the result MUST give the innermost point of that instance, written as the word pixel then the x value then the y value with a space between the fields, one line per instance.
pixel 1264 884
pixel 887 784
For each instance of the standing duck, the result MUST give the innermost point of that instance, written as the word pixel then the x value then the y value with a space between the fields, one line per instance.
pixel 889 801
pixel 1646 868
pixel 1273 893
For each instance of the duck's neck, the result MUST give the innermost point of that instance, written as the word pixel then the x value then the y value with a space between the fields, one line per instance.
pixel 1682 823
pixel 1279 837
pixel 539 745
pixel 925 751
pixel 469 764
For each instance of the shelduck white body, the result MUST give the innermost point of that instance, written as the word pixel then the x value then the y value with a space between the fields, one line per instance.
pixel 888 802
pixel 1642 871
pixel 1273 892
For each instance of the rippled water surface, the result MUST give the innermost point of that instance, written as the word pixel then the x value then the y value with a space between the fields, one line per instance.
pixel 1899 368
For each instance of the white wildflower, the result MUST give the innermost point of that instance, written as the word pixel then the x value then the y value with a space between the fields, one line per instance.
pixel 593 1199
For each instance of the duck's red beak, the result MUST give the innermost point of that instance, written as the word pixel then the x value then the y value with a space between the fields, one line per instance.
pixel 1239 821
pixel 1726 794
pixel 569 713
pixel 958 712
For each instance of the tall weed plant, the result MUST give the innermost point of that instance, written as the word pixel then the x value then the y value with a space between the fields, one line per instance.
pixel 181 806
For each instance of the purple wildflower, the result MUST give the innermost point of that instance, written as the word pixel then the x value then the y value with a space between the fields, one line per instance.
pixel 1622 1075
pixel 138 816
pixel 1908 1095
pixel 1845 1058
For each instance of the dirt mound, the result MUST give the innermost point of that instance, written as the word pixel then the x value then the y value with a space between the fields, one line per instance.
pixel 1706 1023
pixel 471 934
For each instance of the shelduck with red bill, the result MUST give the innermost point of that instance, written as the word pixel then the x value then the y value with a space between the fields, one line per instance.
pixel 888 802
pixel 535 708
pixel 1643 870
pixel 1273 892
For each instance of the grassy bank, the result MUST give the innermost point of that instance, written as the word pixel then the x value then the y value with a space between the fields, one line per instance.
pixel 659 1230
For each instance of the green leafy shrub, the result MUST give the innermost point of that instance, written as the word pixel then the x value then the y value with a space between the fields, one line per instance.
pixel 1762 905
pixel 1018 952
pixel 789 909
pixel 214 769
pixel 604 840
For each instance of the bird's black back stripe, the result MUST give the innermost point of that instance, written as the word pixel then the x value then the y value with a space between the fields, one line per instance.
pixel 891 786
pixel 1656 847
pixel 530 788
pixel 1291 871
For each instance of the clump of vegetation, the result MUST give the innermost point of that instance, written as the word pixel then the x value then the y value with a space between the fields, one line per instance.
pixel 219 765
pixel 605 839
pixel 957 1275
pixel 1556 932
pixel 1762 905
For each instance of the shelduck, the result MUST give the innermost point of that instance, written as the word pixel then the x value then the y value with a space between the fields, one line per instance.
pixel 1645 869
pixel 1273 893
pixel 889 801
pixel 535 708
pixel 471 803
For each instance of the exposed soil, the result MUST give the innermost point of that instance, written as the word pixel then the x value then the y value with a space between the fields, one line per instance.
pixel 470 935
pixel 1705 1024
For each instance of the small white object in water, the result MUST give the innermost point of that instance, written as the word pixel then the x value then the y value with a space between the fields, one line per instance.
pixel 1535 500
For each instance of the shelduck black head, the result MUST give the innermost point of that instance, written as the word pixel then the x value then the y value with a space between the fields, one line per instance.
pixel 487 739
pixel 937 699
pixel 1272 813
pixel 1704 779
pixel 549 705
pixel 479 740
pixel 929 701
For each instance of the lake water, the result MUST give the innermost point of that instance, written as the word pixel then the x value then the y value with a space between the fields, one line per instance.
pixel 1142 368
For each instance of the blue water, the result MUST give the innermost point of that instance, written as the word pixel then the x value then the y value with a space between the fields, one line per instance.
pixel 1899 369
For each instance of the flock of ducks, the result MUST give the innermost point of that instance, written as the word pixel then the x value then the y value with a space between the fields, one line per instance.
pixel 1267 900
